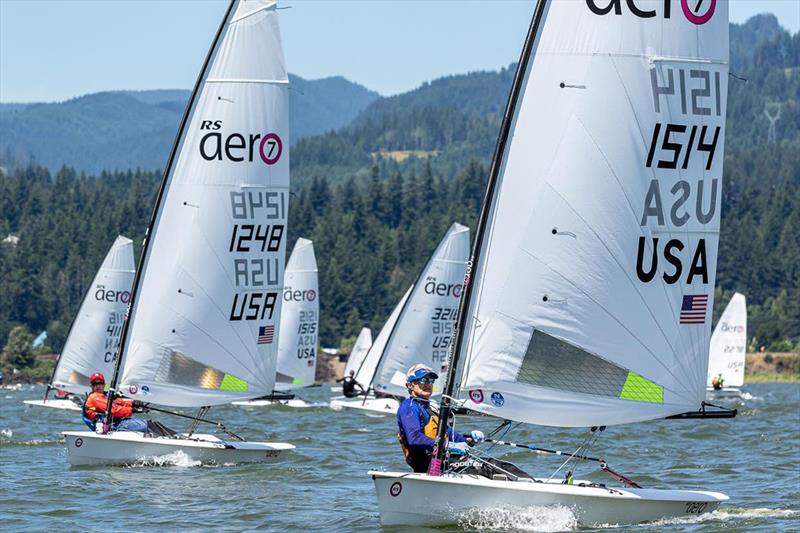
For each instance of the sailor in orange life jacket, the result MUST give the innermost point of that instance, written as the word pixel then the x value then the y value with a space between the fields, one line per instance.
pixel 419 425
pixel 121 410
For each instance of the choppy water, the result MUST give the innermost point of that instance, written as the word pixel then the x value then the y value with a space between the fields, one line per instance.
pixel 323 486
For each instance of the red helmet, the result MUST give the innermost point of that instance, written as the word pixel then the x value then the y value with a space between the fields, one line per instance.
pixel 97 377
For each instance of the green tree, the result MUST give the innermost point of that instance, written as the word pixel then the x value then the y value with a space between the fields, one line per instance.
pixel 18 352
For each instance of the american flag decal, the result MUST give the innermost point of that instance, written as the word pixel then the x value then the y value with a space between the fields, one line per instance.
pixel 693 309
pixel 266 334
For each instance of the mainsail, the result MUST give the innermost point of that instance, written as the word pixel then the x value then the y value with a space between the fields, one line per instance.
pixel 93 338
pixel 597 247
pixel 206 306
pixel 729 344
pixel 359 351
pixel 366 372
pixel 425 326
pixel 297 344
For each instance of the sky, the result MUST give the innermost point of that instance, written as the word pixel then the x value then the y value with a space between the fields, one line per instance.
pixel 53 50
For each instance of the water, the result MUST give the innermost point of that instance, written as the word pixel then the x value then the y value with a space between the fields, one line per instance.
pixel 323 486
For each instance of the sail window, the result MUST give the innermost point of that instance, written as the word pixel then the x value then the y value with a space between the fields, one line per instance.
pixel 556 364
pixel 77 378
pixel 179 369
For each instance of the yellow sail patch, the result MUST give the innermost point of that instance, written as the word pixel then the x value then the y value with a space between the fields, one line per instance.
pixel 641 390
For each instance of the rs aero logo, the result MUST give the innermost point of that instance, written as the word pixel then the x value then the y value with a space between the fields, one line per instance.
pixel 443 289
pixel 238 147
pixel 101 294
pixel 696 11
pixel 296 295
pixel 731 328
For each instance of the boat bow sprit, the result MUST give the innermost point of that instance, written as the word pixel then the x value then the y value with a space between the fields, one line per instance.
pixel 589 290
pixel 206 303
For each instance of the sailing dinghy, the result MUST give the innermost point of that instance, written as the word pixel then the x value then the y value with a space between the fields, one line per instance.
pixel 726 355
pixel 587 301
pixel 422 330
pixel 206 302
pixel 93 337
pixel 357 354
pixel 297 344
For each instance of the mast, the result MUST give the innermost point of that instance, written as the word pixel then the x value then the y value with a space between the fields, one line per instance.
pixel 494 173
pixel 159 198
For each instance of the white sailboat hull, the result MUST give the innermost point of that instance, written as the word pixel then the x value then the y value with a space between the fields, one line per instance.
pixel 55 404
pixel 724 392
pixel 421 500
pixel 127 447
pixel 294 402
pixel 375 405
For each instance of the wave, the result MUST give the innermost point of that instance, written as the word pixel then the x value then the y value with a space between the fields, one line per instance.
pixel 505 518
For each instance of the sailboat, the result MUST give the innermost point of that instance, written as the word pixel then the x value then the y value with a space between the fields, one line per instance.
pixel 726 355
pixel 93 337
pixel 419 329
pixel 205 305
pixel 587 296
pixel 357 354
pixel 297 344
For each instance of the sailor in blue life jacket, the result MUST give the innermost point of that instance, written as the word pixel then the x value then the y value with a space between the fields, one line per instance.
pixel 419 424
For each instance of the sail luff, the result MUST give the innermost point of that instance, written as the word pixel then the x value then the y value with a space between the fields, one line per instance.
pixel 168 168
pixel 454 363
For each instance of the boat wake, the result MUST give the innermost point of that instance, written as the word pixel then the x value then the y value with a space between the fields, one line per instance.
pixel 178 458
pixel 730 516
pixel 510 518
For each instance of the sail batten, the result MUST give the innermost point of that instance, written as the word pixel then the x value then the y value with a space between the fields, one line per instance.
pixel 601 225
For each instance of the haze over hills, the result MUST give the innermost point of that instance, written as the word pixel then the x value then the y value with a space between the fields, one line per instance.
pixel 135 129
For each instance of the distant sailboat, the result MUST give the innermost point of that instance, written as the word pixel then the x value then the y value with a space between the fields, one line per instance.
pixel 93 338
pixel 359 352
pixel 587 298
pixel 206 300
pixel 423 328
pixel 726 355
pixel 297 344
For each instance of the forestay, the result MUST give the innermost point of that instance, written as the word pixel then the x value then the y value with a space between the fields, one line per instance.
pixel 366 372
pixel 594 287
pixel 297 344
pixel 359 351
pixel 94 335
pixel 729 344
pixel 425 326
pixel 207 306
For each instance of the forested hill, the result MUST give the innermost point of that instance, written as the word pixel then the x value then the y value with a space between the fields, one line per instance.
pixel 135 129
pixel 376 196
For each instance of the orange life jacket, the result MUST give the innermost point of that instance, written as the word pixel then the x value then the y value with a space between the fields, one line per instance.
pixel 97 403
pixel 431 429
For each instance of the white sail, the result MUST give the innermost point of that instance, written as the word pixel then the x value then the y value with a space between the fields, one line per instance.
pixel 94 335
pixel 297 344
pixel 729 344
pixel 425 326
pixel 206 308
pixel 593 288
pixel 359 351
pixel 366 372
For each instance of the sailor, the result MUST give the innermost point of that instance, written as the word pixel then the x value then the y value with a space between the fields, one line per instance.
pixel 717 382
pixel 121 410
pixel 419 425
pixel 349 385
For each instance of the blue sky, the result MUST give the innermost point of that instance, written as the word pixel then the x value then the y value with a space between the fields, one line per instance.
pixel 56 49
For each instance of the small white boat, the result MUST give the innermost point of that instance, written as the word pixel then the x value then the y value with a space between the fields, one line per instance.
pixel 422 500
pixel 204 315
pixel 93 337
pixel 728 350
pixel 375 405
pixel 587 300
pixel 127 447
pixel 55 403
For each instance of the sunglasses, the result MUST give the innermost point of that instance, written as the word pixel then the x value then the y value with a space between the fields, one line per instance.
pixel 425 380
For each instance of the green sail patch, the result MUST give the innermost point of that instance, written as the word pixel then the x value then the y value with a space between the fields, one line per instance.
pixel 232 383
pixel 641 389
